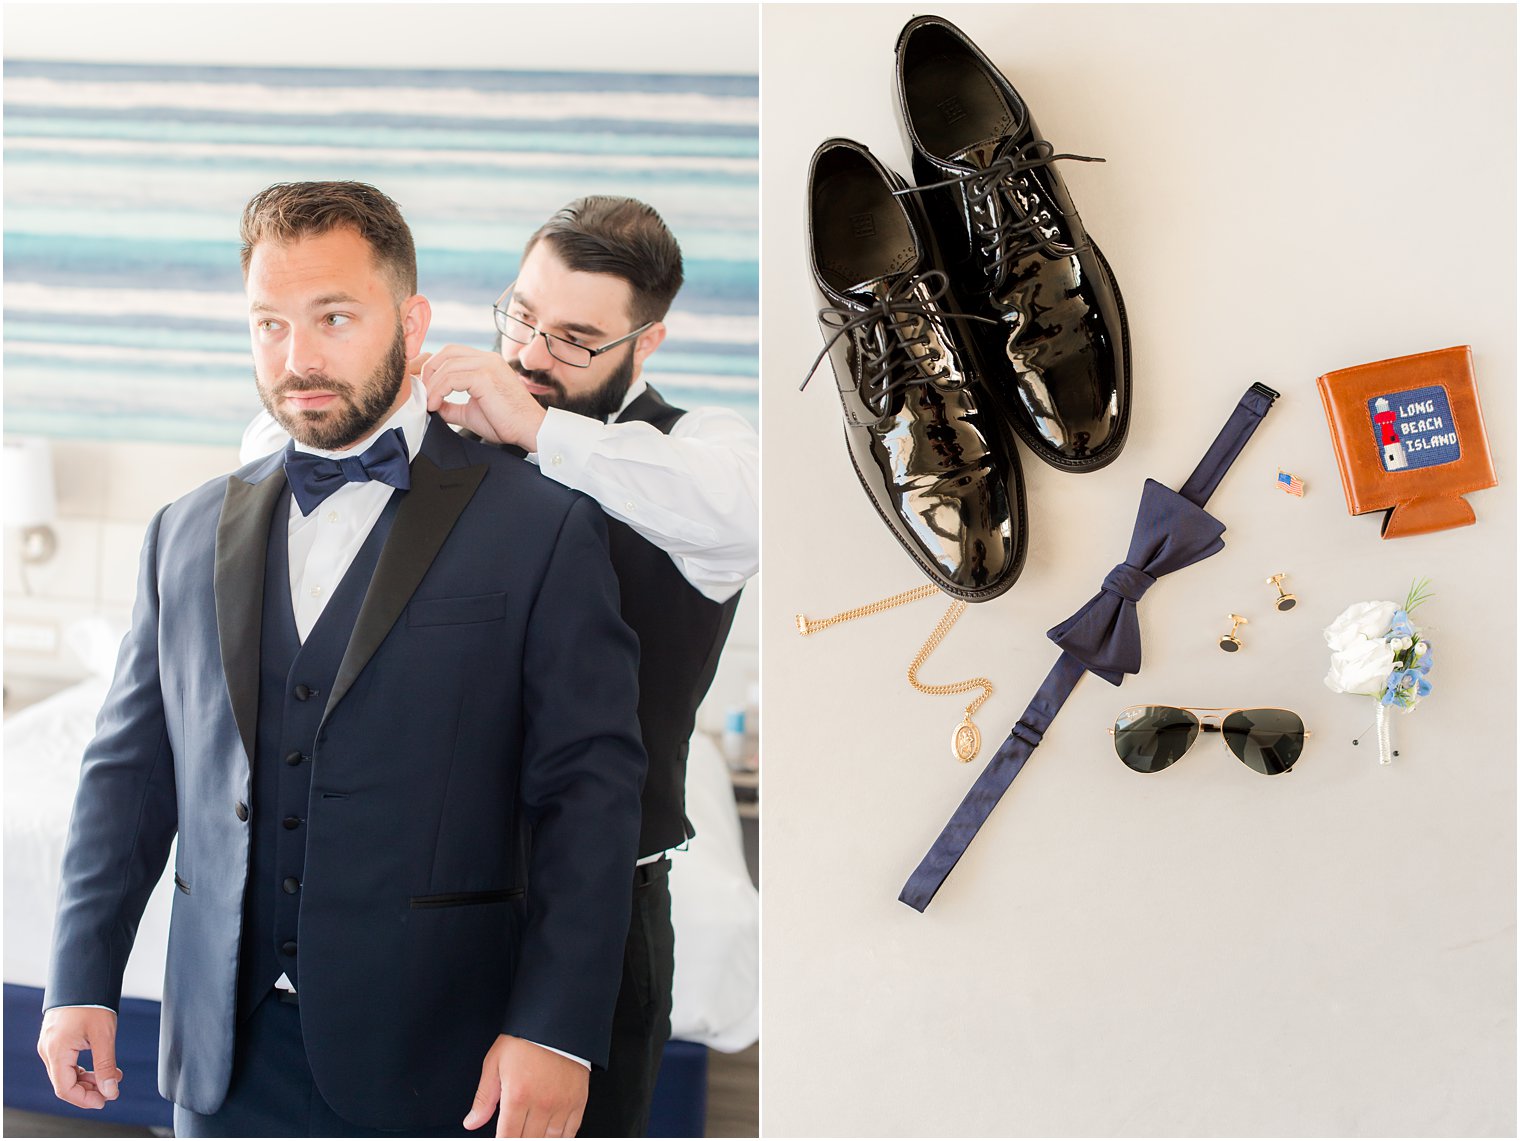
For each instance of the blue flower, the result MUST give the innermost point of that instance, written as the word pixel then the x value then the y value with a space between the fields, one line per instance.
pixel 1401 627
pixel 1404 688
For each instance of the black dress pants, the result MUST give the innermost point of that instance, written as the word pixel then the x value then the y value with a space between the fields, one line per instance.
pixel 273 1094
pixel 618 1104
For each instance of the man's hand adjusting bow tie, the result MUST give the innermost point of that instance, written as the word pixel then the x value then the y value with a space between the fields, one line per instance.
pixel 313 478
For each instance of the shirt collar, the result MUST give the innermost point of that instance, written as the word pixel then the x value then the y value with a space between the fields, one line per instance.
pixel 411 418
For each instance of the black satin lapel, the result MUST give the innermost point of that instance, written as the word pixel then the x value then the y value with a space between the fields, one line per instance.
pixel 242 540
pixel 423 521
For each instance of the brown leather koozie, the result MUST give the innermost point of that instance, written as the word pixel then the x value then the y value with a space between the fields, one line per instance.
pixel 1409 437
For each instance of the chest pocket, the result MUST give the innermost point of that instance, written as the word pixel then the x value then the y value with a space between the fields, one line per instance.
pixel 456 611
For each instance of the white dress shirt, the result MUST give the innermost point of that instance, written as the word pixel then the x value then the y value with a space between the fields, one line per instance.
pixel 694 493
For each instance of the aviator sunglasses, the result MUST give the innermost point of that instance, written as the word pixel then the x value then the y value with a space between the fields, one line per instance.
pixel 1149 738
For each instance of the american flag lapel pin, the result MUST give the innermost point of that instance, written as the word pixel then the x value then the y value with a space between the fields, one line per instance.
pixel 1290 483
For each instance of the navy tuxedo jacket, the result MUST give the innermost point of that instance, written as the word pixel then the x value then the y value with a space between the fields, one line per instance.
pixel 480 748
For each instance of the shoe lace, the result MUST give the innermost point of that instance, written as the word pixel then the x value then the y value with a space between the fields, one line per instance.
pixel 1010 223
pixel 887 334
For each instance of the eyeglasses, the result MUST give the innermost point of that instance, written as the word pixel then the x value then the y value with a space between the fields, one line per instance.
pixel 1149 738
pixel 565 351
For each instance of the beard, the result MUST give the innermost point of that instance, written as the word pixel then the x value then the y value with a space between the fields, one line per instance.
pixel 600 403
pixel 356 411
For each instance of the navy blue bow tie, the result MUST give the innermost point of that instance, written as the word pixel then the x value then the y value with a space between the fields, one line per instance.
pixel 1172 531
pixel 313 478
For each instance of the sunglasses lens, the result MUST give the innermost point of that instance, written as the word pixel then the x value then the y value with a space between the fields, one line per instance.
pixel 1267 740
pixel 1148 738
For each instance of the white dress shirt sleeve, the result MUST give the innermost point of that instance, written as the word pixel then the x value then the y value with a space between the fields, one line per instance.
pixel 694 493
pixel 561 1053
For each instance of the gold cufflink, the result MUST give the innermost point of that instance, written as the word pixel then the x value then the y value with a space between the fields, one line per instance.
pixel 1284 601
pixel 1229 643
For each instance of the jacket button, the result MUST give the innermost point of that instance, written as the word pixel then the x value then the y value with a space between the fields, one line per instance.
pixel 291 885
pixel 288 947
pixel 302 692
pixel 291 822
pixel 241 810
pixel 294 758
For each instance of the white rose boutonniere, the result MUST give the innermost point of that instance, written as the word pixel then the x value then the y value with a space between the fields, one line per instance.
pixel 1376 651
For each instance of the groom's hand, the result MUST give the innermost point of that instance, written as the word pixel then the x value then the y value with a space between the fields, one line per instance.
pixel 541 1093
pixel 68 1031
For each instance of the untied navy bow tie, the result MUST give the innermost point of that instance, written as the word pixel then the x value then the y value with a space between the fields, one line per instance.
pixel 1172 530
pixel 313 478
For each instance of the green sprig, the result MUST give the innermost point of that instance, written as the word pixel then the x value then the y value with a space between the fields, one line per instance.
pixel 1419 592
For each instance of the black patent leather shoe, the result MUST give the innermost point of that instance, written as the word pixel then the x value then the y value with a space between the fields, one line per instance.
pixel 1057 360
pixel 938 466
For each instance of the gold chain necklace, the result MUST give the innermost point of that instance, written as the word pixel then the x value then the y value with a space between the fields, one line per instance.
pixel 966 741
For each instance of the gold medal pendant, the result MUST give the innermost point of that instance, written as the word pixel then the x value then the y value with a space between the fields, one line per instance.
pixel 966 742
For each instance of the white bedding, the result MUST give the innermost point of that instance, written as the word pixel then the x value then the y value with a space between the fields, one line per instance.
pixel 43 747
pixel 716 908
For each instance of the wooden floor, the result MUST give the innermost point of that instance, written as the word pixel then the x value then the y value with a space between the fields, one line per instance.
pixel 733 1106
pixel 733 1093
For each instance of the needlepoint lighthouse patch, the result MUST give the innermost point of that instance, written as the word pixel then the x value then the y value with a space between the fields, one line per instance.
pixel 1414 429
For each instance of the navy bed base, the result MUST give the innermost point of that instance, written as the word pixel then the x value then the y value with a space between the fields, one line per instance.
pixel 680 1097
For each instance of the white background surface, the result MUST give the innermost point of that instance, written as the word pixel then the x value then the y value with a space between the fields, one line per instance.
pixel 1204 951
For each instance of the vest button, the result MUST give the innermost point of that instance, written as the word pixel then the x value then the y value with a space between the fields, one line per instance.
pixel 302 692
pixel 294 758
pixel 291 822
pixel 291 885
pixel 288 947
pixel 241 810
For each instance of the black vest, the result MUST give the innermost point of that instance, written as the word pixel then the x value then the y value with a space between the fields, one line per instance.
pixel 681 633
pixel 294 681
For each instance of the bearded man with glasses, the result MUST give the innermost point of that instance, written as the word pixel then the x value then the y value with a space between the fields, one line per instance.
pixel 681 492
pixel 513 321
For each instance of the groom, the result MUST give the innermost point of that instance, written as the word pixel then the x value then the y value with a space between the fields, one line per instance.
pixel 378 686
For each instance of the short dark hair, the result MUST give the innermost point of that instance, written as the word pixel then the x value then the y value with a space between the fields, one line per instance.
pixel 288 211
pixel 624 237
